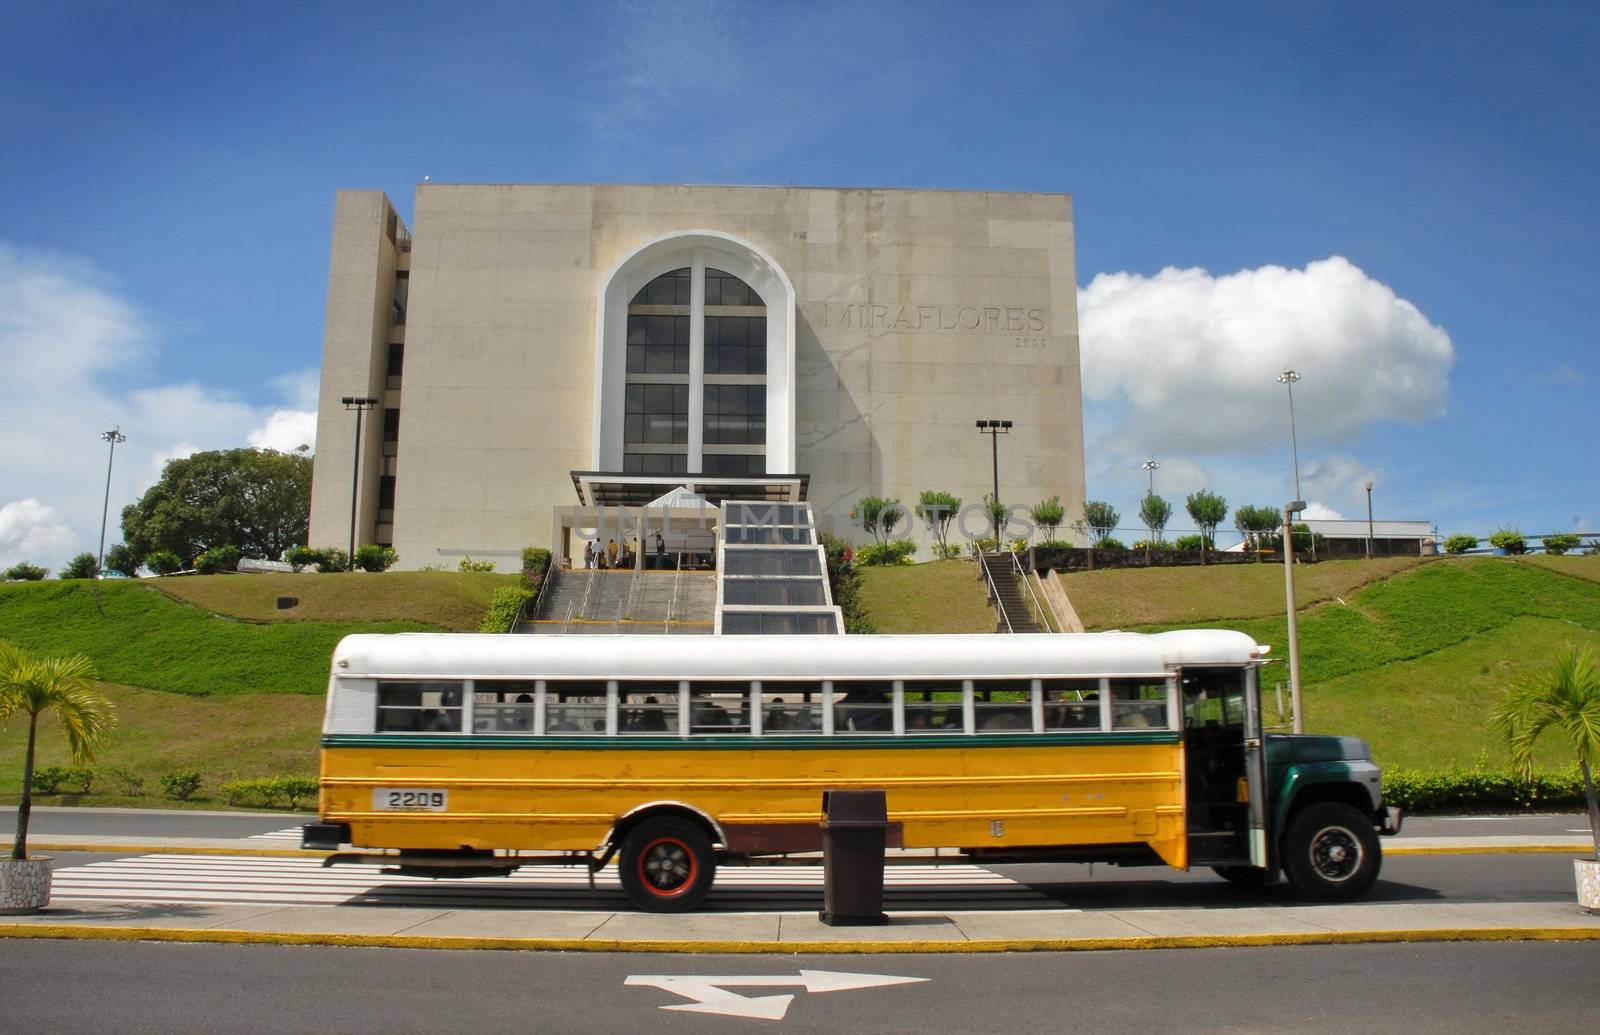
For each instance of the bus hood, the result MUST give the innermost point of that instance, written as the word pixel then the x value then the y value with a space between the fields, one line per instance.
pixel 1290 748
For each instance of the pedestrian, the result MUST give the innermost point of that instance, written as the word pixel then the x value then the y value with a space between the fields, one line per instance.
pixel 588 554
pixel 661 552
pixel 611 553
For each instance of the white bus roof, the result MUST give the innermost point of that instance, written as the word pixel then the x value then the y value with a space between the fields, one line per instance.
pixel 464 655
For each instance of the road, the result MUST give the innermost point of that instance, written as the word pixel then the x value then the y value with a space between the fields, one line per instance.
pixel 153 987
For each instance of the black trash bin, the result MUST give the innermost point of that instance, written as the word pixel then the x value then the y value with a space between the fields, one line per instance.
pixel 854 827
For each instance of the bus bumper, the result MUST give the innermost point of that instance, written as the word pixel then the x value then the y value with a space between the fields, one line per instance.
pixel 1392 818
pixel 327 836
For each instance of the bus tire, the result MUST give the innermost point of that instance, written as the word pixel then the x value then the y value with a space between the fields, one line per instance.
pixel 1331 852
pixel 666 865
pixel 1251 878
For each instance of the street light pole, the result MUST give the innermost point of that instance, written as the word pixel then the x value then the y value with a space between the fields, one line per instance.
pixel 360 404
pixel 1288 378
pixel 113 436
pixel 1369 519
pixel 994 429
pixel 1290 509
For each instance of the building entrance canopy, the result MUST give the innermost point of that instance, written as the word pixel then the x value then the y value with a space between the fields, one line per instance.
pixel 614 489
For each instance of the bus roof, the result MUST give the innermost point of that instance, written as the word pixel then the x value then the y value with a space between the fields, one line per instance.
pixel 465 655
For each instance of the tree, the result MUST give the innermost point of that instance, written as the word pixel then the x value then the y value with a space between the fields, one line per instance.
pixel 1460 543
pixel 121 559
pixel 998 512
pixel 1048 515
pixel 1566 700
pixel 22 571
pixel 256 499
pixel 877 515
pixel 1100 518
pixel 32 686
pixel 1256 524
pixel 936 509
pixel 1155 512
pixel 1207 510
pixel 83 566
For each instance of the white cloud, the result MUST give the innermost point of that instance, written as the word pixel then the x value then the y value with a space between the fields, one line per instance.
pixel 1318 511
pixel 70 346
pixel 1188 361
pixel 29 530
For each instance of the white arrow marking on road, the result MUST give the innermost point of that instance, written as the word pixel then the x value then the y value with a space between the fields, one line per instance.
pixel 711 996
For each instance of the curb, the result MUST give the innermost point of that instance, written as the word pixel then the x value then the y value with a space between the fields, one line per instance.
pixel 264 853
pixel 76 932
pixel 1548 849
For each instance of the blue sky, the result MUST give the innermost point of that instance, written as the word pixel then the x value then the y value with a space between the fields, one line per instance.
pixel 167 177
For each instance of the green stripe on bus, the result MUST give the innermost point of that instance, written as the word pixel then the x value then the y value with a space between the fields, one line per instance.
pixel 625 742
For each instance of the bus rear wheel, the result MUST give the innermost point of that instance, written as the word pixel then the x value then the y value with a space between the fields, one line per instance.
pixel 1331 852
pixel 666 865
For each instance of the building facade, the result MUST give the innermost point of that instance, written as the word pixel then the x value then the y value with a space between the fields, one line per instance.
pixel 521 334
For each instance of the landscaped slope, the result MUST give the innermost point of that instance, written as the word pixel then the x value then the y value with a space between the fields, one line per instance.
pixel 938 597
pixel 140 637
pixel 447 600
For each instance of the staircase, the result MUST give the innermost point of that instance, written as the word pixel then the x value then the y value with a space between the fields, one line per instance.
pixel 657 603
pixel 1009 594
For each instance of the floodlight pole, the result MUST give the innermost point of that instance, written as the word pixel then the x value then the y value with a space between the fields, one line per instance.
pixel 1290 509
pixel 360 404
pixel 1288 378
pixel 1151 466
pixel 113 436
pixel 1369 519
pixel 994 429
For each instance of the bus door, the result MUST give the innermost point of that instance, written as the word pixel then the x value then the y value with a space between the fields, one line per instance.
pixel 1224 768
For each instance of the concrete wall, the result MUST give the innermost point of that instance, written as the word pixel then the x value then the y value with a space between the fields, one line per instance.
pixel 916 313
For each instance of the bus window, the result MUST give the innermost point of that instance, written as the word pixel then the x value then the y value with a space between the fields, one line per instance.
pixel 576 706
pixel 644 709
pixel 1138 704
pixel 1072 704
pixel 718 709
pixel 933 706
pixel 789 709
pixel 863 708
pixel 417 706
pixel 1213 697
pixel 503 705
pixel 1002 705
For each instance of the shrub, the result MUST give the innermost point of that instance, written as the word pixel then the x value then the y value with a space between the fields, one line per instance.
pixel 1018 546
pixel 1189 542
pixel 1153 544
pixel 946 551
pixel 535 566
pixel 468 564
pixel 1460 543
pixel 83 566
pixel 82 777
pixel 504 607
pixel 132 783
pixel 1109 543
pixel 216 560
pixel 1446 790
pixel 25 572
pixel 844 585
pixel 373 557
pixel 47 779
pixel 331 559
pixel 1560 544
pixel 1054 544
pixel 180 784
pixel 984 544
pixel 163 562
pixel 270 792
pixel 896 551
pixel 877 516
pixel 302 556
pixel 1510 540
pixel 122 558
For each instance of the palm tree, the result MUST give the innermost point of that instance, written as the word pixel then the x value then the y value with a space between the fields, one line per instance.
pixel 31 686
pixel 1565 699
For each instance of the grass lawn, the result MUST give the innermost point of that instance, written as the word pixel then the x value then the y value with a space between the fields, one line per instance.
pixel 455 601
pixel 137 636
pixel 1121 598
pixel 1585 567
pixel 936 597
pixel 223 738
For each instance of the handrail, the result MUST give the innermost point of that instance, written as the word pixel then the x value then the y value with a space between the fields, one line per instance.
pixel 544 587
pixel 994 591
pixel 672 605
pixel 588 591
pixel 1022 576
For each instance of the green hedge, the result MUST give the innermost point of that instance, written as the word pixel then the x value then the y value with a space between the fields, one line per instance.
pixel 1467 789
pixel 504 607
pixel 271 792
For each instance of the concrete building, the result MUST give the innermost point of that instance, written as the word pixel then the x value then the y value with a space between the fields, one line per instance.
pixel 532 346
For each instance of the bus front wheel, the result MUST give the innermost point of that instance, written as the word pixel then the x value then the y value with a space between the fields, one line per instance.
pixel 667 865
pixel 1331 852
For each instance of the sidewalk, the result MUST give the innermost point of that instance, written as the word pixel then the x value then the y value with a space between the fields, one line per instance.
pixel 975 931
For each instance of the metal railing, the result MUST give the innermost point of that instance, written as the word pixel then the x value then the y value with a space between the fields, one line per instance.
pixel 994 591
pixel 1022 577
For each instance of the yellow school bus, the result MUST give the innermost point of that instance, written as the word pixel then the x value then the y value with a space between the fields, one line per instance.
pixel 465 755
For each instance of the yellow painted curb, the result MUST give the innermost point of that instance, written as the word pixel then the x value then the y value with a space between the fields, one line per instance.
pixel 745 947
pixel 1489 850
pixel 267 853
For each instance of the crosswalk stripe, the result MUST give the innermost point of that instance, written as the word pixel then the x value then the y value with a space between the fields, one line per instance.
pixel 247 880
pixel 286 834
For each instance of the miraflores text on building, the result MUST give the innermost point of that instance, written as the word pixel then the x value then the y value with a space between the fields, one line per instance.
pixel 535 346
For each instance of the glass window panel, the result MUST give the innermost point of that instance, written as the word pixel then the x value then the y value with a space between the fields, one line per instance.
pixel 636 359
pixel 772 562
pixel 658 359
pixel 933 706
pixel 636 330
pixel 773 591
pixel 791 709
pixel 635 398
pixel 1002 705
pixel 863 708
pixel 659 330
pixel 419 706
pixel 645 709
pixel 719 709
pixel 1071 704
pixel 1138 704
pixel 503 706
pixel 576 707
pixel 658 398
